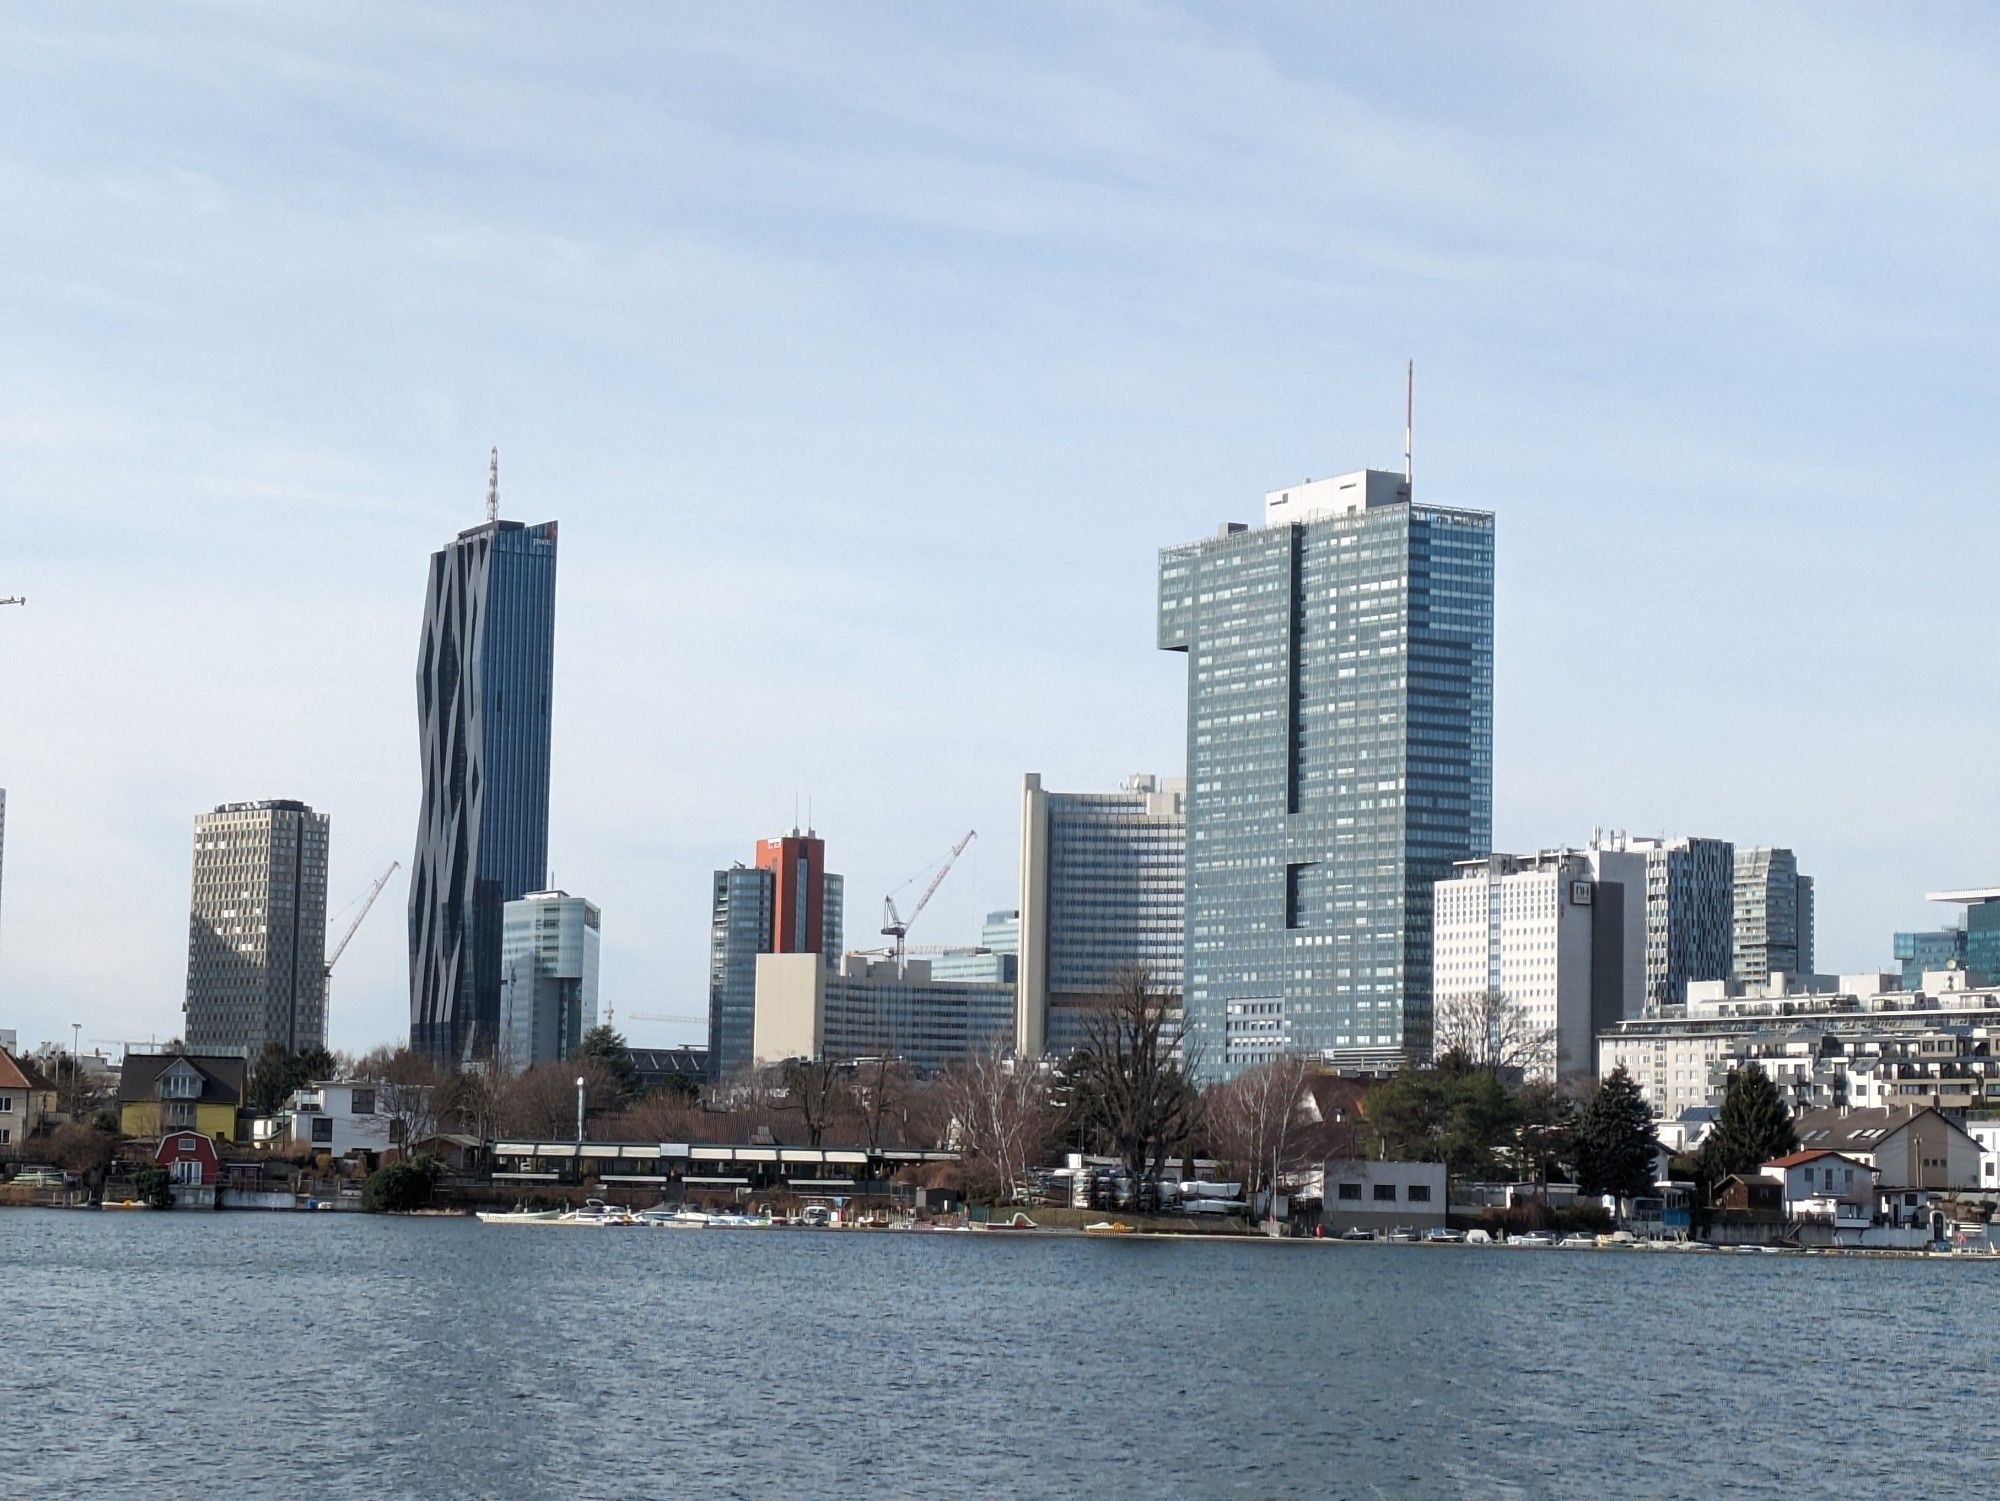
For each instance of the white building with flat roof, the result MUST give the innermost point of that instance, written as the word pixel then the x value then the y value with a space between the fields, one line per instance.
pixel 874 1008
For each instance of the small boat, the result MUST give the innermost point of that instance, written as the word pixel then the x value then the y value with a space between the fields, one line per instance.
pixel 596 1212
pixel 1402 1235
pixel 1444 1237
pixel 1479 1238
pixel 1357 1233
pixel 1109 1227
pixel 124 1204
pixel 1533 1239
pixel 519 1216
pixel 662 1218
pixel 1020 1221
pixel 1577 1242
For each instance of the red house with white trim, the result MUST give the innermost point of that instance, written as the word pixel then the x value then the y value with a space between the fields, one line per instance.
pixel 189 1158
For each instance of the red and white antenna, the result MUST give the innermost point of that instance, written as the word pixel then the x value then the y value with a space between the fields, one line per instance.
pixel 493 485
pixel 1409 420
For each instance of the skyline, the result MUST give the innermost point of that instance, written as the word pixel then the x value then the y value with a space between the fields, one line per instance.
pixel 946 403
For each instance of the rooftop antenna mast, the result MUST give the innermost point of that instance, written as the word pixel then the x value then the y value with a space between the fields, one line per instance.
pixel 493 484
pixel 1409 421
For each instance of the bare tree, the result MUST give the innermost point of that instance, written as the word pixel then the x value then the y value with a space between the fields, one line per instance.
pixel 1001 1118
pixel 408 1091
pixel 1490 1031
pixel 1257 1121
pixel 1131 1083
pixel 811 1090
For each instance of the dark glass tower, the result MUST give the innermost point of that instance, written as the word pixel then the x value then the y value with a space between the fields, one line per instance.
pixel 485 677
pixel 1340 759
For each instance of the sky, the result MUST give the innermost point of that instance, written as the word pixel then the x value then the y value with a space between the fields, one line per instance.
pixel 868 355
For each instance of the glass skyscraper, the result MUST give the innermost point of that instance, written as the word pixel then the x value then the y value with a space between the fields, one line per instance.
pixel 485 680
pixel 786 903
pixel 1102 894
pixel 548 977
pixel 1340 759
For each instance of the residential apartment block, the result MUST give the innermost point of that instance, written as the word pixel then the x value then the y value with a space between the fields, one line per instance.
pixel 256 970
pixel 1102 897
pixel 1339 761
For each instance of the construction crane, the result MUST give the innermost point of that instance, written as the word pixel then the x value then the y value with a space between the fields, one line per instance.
pixel 651 1016
pixel 897 926
pixel 368 901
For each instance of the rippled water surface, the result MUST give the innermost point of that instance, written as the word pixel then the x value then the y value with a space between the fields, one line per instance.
pixel 251 1355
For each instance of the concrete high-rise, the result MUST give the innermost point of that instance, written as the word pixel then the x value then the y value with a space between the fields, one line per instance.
pixel 257 930
pixel 787 902
pixel 1773 915
pixel 548 976
pixel 1690 912
pixel 1559 937
pixel 1339 762
pixel 485 681
pixel 1103 893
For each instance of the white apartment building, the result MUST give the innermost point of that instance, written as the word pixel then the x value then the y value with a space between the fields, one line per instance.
pixel 1559 934
pixel 341 1116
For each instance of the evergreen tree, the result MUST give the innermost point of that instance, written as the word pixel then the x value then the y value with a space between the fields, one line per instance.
pixel 604 1046
pixel 1751 1128
pixel 1614 1141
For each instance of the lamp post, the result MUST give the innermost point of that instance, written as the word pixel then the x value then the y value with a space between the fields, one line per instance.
pixel 579 1107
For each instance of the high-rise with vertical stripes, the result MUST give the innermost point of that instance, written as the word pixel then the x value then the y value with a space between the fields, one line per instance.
pixel 1339 761
pixel 485 684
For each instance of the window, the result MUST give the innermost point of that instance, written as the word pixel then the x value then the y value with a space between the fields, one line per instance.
pixel 1385 1193
pixel 361 1102
pixel 1420 1193
pixel 1350 1190
pixel 6 1104
pixel 322 1129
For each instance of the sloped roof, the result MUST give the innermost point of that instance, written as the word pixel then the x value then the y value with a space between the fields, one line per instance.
pixel 18 1073
pixel 1799 1159
pixel 221 1077
pixel 1861 1130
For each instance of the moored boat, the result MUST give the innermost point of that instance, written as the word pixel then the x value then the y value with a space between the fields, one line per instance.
pixel 519 1216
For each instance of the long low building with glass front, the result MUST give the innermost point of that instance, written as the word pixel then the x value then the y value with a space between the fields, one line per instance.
pixel 700 1167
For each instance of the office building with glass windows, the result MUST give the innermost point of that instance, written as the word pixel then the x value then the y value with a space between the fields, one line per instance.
pixel 1340 762
pixel 866 1007
pixel 548 977
pixel 1690 912
pixel 787 902
pixel 485 686
pixel 1103 892
pixel 1980 946
pixel 996 959
pixel 1773 916
pixel 257 929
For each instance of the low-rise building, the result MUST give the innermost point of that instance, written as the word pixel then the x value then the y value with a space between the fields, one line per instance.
pixel 1362 1194
pixel 27 1100
pixel 872 1009
pixel 338 1116
pixel 160 1093
pixel 1830 1187
pixel 1911 1149
pixel 189 1158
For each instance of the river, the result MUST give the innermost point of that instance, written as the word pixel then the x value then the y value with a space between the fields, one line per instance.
pixel 252 1355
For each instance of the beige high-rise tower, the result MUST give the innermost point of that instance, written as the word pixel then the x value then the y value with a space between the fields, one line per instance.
pixel 257 929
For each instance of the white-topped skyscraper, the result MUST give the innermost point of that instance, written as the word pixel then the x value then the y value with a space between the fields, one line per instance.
pixel 1339 762
pixel 257 930
pixel 548 977
pixel 485 685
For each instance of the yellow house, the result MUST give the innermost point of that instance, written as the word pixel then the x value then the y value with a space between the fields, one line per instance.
pixel 162 1092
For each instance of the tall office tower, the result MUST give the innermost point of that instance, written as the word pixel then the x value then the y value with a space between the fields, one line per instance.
pixel 257 930
pixel 485 679
pixel 785 903
pixel 548 977
pixel 1558 936
pixel 1773 916
pixel 1103 893
pixel 1690 912
pixel 1340 760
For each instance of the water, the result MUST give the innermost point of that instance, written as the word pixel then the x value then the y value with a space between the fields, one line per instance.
pixel 256 1355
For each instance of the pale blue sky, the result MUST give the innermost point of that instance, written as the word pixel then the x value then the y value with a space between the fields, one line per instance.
pixel 867 355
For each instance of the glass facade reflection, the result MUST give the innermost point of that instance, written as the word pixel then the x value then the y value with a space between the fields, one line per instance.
pixel 1339 745
pixel 485 683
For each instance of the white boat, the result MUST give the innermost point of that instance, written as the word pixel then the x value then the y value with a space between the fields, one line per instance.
pixel 663 1218
pixel 1577 1243
pixel 1533 1239
pixel 519 1216
pixel 1402 1235
pixel 596 1212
